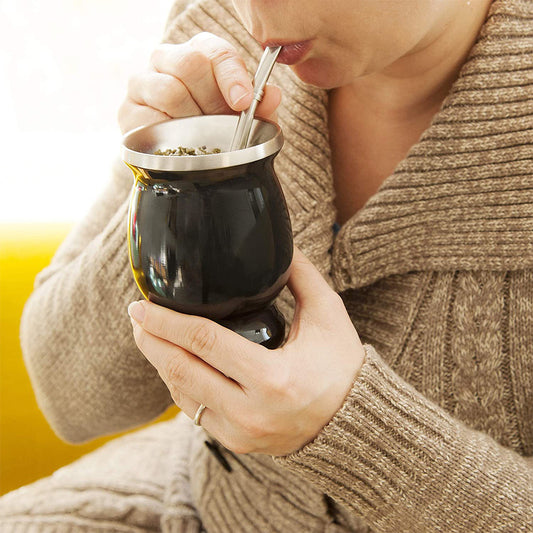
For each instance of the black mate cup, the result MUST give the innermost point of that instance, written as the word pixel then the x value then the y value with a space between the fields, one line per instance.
pixel 210 234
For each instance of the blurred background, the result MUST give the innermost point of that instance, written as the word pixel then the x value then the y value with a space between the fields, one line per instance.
pixel 64 67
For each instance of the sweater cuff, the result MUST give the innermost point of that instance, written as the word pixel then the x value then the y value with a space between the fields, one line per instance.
pixel 386 441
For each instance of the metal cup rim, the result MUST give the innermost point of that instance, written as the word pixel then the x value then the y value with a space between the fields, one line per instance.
pixel 139 144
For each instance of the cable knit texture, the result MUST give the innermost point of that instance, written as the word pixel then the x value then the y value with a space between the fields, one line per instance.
pixel 436 272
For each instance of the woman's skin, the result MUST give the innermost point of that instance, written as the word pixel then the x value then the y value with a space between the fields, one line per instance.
pixel 202 76
pixel 258 400
pixel 388 65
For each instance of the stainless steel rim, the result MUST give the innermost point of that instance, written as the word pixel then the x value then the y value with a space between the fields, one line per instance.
pixel 139 144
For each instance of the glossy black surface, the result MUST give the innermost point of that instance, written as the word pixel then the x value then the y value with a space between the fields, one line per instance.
pixel 216 243
pixel 266 327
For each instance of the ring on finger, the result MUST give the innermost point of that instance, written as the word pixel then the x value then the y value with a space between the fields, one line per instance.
pixel 198 414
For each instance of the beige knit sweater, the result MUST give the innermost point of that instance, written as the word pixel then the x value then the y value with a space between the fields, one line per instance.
pixel 436 271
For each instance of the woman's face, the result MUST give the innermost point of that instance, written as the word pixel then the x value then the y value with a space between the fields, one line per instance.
pixel 330 43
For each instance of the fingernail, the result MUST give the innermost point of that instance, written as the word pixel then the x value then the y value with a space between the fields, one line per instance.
pixel 136 311
pixel 237 93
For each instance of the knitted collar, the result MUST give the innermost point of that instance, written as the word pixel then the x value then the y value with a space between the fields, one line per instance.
pixel 463 196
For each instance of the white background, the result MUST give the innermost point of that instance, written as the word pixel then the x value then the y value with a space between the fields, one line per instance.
pixel 64 68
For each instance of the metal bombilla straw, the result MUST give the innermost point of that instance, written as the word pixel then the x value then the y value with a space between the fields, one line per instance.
pixel 241 136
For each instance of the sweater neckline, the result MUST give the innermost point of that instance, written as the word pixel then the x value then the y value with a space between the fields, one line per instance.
pixel 462 198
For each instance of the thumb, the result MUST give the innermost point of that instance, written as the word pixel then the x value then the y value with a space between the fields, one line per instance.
pixel 308 286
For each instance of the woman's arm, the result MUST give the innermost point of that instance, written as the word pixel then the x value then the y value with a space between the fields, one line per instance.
pixel 344 421
pixel 401 463
pixel 88 376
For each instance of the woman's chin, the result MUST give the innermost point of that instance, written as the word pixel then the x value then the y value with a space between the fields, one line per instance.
pixel 323 74
pixel 319 74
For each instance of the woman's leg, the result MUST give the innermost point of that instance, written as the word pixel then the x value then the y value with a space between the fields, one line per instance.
pixel 121 487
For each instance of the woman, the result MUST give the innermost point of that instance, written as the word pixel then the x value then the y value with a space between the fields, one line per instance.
pixel 408 125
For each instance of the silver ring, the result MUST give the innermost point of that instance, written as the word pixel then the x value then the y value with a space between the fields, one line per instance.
pixel 198 414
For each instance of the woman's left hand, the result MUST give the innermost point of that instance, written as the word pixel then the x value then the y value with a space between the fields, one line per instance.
pixel 257 400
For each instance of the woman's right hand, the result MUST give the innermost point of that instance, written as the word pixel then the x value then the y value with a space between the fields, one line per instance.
pixel 205 75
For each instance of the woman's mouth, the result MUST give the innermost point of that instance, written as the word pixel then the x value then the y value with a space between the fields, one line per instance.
pixel 291 53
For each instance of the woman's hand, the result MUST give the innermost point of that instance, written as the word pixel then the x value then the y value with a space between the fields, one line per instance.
pixel 205 75
pixel 258 400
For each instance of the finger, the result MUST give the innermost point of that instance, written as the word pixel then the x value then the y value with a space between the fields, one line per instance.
pixel 185 375
pixel 210 420
pixel 221 348
pixel 207 417
pixel 309 287
pixel 193 69
pixel 229 69
pixel 191 382
pixel 190 407
pixel 164 93
pixel 131 115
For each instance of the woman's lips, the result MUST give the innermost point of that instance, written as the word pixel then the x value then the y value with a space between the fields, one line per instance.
pixel 291 53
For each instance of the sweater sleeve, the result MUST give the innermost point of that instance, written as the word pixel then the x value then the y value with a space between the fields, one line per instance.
pixel 88 376
pixel 403 464
pixel 136 483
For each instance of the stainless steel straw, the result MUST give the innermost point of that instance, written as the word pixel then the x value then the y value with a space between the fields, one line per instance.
pixel 244 125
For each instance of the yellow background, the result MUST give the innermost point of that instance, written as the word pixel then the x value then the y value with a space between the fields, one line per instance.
pixel 59 92
pixel 29 449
